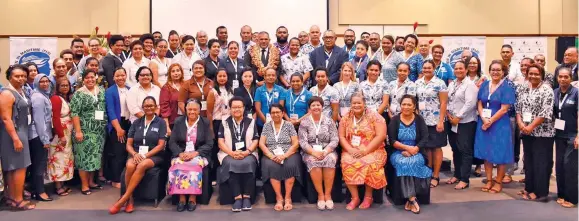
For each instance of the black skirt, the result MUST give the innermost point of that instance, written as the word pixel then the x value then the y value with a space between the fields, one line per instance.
pixel 435 139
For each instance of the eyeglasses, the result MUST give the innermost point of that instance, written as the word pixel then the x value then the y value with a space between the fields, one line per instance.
pixel 93 46
pixel 145 75
pixel 149 106
pixel 496 70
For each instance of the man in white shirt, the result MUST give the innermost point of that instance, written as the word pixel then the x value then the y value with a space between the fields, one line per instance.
pixel 201 48
pixel 315 41
pixel 374 43
pixel 514 68
pixel 246 42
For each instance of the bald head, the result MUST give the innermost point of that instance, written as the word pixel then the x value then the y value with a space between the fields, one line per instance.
pixel 245 34
pixel 424 47
pixel 202 38
pixel 465 54
pixel 570 56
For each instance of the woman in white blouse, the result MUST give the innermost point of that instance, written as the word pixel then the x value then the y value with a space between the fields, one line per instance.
pixel 461 125
pixel 140 91
pixel 346 87
pixel 134 63
pixel 160 64
pixel 187 57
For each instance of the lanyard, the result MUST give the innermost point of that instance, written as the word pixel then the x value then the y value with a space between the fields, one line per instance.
pixel 457 85
pixel 491 92
pixel 318 92
pixel 438 70
pixel 356 122
pixel 345 90
pixel 276 135
pixel 406 59
pixel 215 64
pixel 374 90
pixel 161 62
pixel 561 102
pixel 269 96
pixel 173 53
pixel 127 55
pixel 190 128
pixel 200 86
pixel 318 126
pixel 295 100
pixel 387 57
pixel 359 64
pixel 238 129
pixel 147 128
pixel 249 93
pixel 234 62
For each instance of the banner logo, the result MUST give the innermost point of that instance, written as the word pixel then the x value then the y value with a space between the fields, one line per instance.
pixel 38 56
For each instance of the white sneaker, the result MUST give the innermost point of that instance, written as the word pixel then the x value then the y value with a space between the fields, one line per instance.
pixel 329 204
pixel 321 205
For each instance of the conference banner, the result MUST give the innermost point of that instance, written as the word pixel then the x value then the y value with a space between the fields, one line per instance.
pixel 454 46
pixel 41 51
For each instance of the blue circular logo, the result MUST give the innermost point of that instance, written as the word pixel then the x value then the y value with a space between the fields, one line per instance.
pixel 41 59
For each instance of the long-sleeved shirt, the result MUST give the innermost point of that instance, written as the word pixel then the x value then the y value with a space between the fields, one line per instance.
pixel 135 98
pixel 462 100
pixel 42 118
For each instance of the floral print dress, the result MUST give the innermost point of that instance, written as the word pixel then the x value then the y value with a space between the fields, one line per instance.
pixel 60 158
pixel 185 177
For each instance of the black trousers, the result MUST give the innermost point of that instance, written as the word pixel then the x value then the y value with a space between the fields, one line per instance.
pixel 517 143
pixel 538 158
pixel 116 154
pixel 462 144
pixel 214 151
pixel 241 183
pixel 39 159
pixel 566 169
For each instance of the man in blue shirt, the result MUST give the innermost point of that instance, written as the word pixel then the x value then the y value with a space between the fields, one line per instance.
pixel 266 95
pixel 442 70
pixel 350 45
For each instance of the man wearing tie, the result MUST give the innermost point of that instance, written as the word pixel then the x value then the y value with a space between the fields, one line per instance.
pixel 262 57
pixel 329 56
pixel 246 42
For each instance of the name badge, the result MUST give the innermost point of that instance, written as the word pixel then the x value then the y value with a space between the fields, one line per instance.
pixel 559 124
pixel 235 84
pixel 294 116
pixel 571 102
pixel 344 111
pixel 203 105
pixel 189 147
pixel 143 150
pixel 393 107
pixel 527 117
pixel 356 140
pixel 318 147
pixel 250 116
pixel 99 115
pixel 278 152
pixel 454 128
pixel 29 119
pixel 487 113
pixel 267 118
pixel 239 145
pixel 421 105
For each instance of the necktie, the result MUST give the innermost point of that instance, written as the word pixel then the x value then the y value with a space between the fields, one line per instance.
pixel 244 48
pixel 263 59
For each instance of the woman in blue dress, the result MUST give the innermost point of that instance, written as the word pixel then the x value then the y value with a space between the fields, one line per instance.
pixel 408 133
pixel 493 139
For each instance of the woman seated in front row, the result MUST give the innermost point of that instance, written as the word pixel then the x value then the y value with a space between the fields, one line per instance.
pixel 145 143
pixel 279 144
pixel 408 133
pixel 238 139
pixel 318 138
pixel 362 133
pixel 190 144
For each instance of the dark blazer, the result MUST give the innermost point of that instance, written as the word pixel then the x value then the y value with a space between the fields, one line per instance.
pixel 231 73
pixel 107 68
pixel 210 69
pixel 568 112
pixel 247 100
pixel 421 131
pixel 113 103
pixel 178 140
pixel 338 57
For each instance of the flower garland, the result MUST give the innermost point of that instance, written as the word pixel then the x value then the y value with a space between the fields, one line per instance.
pixel 272 62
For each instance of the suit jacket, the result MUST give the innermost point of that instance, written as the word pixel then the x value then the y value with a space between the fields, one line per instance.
pixel 113 104
pixel 254 68
pixel 204 143
pixel 574 75
pixel 231 73
pixel 421 131
pixel 337 58
pixel 108 65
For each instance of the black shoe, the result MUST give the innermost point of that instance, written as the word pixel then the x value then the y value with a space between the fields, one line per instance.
pixel 181 207
pixel 39 198
pixel 96 187
pixel 191 207
pixel 246 204
pixel 236 207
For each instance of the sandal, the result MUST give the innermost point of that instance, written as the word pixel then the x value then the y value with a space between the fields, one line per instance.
pixel 453 180
pixel 407 206
pixel 560 201
pixel 86 192
pixel 495 190
pixel 507 179
pixel 488 187
pixel 27 195
pixel 522 192
pixel 61 191
pixel 367 203
pixel 278 206
pixel 288 205
pixel 528 197
pixel 22 205
pixel 353 204
pixel 104 180
pixel 415 206
pixel 465 185
pixel 566 204
pixel 96 187
pixel 437 179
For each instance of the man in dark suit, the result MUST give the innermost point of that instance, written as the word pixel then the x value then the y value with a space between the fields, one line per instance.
pixel 113 59
pixel 261 57
pixel 329 56
pixel 570 59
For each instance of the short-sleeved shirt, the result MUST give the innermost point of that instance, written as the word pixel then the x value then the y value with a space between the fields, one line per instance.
pixel 389 64
pixel 428 94
pixel 330 96
pixel 290 66
pixel 415 61
pixel 444 72
pixel 236 130
pixel 155 131
pixel 397 92
pixel 132 66
pixel 345 91
pixel 539 103
pixel 297 103
pixel 284 141
pixel 266 98
pixel 373 93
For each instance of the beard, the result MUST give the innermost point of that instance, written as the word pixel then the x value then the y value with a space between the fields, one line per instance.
pixel 349 43
pixel 281 40
pixel 78 56
pixel 399 48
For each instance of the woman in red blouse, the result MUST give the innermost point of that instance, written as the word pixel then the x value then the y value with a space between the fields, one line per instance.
pixel 169 97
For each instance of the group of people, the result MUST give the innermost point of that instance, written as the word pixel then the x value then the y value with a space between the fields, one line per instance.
pixel 251 110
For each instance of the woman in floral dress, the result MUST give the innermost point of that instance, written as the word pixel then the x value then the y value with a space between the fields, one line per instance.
pixel 60 158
